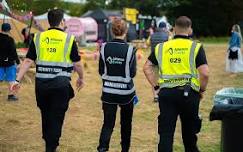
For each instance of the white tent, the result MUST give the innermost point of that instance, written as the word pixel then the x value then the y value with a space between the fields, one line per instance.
pixel 163 19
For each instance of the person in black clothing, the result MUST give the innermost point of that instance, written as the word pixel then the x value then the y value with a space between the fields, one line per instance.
pixel 8 59
pixel 117 67
pixel 56 54
pixel 181 85
pixel 26 34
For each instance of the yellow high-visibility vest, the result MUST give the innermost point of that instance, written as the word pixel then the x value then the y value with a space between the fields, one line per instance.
pixel 53 49
pixel 177 63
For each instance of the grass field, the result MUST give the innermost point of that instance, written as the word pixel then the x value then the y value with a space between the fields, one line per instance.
pixel 20 128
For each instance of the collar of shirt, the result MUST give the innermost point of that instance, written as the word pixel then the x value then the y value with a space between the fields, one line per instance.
pixel 55 28
pixel 118 40
pixel 181 36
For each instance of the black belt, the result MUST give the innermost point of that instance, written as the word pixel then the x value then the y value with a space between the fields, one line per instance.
pixel 180 87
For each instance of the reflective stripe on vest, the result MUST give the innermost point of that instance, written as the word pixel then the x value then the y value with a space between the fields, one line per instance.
pixel 60 64
pixel 117 91
pixel 186 76
pixel 51 76
pixel 68 39
pixel 37 45
pixel 160 57
pixel 50 69
pixel 121 80
pixel 171 81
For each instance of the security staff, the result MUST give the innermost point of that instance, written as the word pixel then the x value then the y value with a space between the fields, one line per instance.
pixel 183 72
pixel 56 54
pixel 117 67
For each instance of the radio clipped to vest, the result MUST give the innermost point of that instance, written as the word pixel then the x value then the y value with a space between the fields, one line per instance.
pixel 187 89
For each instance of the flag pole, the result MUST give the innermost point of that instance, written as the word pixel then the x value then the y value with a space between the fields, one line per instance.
pixel 31 21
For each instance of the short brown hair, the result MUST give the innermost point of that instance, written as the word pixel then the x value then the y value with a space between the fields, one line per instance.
pixel 183 22
pixel 119 26
pixel 55 16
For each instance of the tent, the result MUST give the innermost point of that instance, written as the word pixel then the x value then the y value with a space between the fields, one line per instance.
pixel 83 27
pixel 103 18
pixel 163 19
pixel 16 26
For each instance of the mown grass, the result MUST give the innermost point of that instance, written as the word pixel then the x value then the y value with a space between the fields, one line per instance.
pixel 214 40
pixel 20 125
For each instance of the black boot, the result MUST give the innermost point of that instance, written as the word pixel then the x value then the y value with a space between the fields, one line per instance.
pixel 102 149
pixel 12 98
pixel 50 149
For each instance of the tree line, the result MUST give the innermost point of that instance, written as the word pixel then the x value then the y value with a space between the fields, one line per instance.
pixel 210 17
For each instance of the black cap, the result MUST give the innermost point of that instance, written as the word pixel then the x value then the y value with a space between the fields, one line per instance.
pixel 6 27
pixel 162 25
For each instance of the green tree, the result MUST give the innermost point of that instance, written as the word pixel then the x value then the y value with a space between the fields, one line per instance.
pixel 209 17
pixel 94 4
pixel 23 5
pixel 37 6
pixel 73 9
pixel 145 7
pixel 149 7
pixel 42 6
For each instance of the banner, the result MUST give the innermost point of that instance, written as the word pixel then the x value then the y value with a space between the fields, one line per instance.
pixel 130 14
pixel 4 7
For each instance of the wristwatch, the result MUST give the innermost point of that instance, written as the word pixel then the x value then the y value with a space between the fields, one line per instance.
pixel 17 81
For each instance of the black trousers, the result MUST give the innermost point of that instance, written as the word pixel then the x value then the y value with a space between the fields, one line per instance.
pixel 126 114
pixel 171 104
pixel 53 103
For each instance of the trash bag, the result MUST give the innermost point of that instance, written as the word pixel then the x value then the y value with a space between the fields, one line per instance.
pixel 228 102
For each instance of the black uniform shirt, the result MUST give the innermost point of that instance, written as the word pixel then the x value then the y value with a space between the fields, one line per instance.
pixel 200 58
pixel 8 54
pixel 58 81
pixel 114 98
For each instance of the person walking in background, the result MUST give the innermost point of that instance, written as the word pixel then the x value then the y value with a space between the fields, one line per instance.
pixel 160 35
pixel 56 54
pixel 151 31
pixel 117 67
pixel 26 34
pixel 234 61
pixel 183 78
pixel 8 59
pixel 152 28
